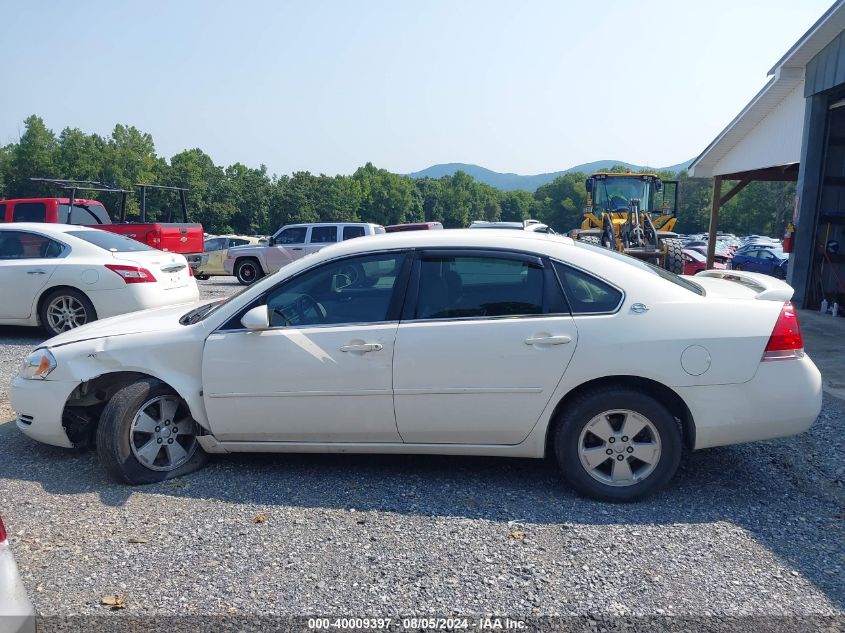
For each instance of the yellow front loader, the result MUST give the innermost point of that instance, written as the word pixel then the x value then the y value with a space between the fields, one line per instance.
pixel 633 214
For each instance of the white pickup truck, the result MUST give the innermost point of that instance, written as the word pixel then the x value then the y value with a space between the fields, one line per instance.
pixel 292 241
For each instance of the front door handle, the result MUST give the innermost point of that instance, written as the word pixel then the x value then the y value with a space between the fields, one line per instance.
pixel 296 249
pixel 362 347
pixel 37 271
pixel 560 339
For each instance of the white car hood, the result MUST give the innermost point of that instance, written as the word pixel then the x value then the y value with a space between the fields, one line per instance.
pixel 154 320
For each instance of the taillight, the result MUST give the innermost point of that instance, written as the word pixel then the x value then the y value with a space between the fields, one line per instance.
pixel 132 274
pixel 190 271
pixel 2 531
pixel 786 342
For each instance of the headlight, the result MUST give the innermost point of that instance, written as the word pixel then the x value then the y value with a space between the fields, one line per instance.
pixel 38 365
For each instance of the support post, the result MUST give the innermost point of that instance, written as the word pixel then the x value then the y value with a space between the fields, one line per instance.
pixel 714 220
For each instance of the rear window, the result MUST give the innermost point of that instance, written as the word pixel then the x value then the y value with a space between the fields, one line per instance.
pixel 83 214
pixel 30 212
pixel 651 268
pixel 111 241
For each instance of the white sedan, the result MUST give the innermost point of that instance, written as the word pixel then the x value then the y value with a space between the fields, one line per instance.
pixel 504 343
pixel 62 276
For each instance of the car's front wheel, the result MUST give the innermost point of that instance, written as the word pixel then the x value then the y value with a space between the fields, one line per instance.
pixel 146 434
pixel 617 444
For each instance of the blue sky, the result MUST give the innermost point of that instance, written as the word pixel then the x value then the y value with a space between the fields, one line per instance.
pixel 526 86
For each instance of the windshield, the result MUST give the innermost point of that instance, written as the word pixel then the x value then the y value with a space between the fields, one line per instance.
pixel 615 192
pixel 202 312
pixel 651 268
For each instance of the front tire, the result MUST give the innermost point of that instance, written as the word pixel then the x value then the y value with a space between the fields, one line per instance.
pixel 617 444
pixel 248 271
pixel 674 261
pixel 146 434
pixel 64 309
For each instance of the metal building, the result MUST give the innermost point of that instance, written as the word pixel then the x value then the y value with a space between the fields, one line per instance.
pixel 794 130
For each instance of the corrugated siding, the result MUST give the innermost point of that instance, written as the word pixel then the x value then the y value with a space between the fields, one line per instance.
pixel 827 69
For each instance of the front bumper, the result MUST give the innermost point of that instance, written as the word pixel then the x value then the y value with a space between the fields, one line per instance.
pixel 784 398
pixel 38 405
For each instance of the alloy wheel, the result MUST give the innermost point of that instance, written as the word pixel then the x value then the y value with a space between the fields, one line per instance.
pixel 619 447
pixel 163 436
pixel 66 312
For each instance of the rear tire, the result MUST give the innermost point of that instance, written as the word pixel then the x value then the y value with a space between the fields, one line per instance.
pixel 674 261
pixel 202 277
pixel 64 309
pixel 133 442
pixel 641 435
pixel 248 271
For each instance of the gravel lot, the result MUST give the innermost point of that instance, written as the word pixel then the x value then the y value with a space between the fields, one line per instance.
pixel 748 530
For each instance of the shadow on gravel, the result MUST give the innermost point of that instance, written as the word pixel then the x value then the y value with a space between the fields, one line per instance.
pixel 771 489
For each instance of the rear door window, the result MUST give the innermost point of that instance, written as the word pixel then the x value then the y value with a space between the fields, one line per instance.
pixel 29 212
pixel 350 232
pixel 26 245
pixel 466 286
pixel 323 234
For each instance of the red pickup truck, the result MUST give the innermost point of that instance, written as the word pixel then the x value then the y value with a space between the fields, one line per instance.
pixel 183 238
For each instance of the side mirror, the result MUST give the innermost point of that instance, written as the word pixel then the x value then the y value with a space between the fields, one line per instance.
pixel 658 186
pixel 271 241
pixel 256 319
pixel 589 183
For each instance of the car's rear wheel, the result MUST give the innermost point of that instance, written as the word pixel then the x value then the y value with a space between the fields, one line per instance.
pixel 146 434
pixel 248 271
pixel 64 309
pixel 617 444
pixel 201 277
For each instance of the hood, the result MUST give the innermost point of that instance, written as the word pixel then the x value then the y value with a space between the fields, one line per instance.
pixel 154 320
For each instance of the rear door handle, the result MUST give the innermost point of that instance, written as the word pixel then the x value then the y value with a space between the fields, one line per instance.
pixel 363 347
pixel 560 339
pixel 37 271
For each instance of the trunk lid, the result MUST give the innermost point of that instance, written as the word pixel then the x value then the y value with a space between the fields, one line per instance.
pixel 169 269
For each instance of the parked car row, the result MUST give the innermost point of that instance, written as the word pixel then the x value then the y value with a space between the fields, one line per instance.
pixel 752 253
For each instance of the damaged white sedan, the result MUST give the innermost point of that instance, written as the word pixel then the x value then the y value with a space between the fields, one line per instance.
pixel 442 342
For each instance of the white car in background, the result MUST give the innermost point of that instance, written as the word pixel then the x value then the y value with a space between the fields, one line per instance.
pixel 16 612
pixel 508 343
pixel 61 276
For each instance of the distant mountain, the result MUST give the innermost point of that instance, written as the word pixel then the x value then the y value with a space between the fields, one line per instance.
pixel 509 182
